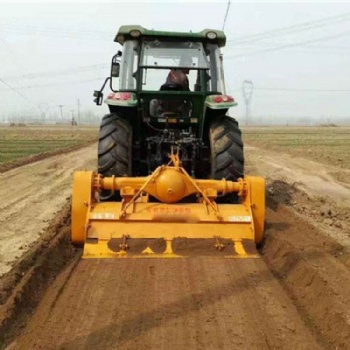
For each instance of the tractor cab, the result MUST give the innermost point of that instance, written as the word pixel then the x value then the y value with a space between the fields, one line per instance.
pixel 169 88
pixel 171 72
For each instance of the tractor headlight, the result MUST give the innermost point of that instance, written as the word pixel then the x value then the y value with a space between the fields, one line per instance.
pixel 211 35
pixel 135 33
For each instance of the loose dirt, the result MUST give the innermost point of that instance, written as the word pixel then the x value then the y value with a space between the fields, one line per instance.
pixel 310 187
pixel 31 196
pixel 202 303
pixel 294 297
pixel 307 239
pixel 22 288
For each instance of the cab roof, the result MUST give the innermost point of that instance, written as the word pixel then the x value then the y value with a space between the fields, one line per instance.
pixel 138 32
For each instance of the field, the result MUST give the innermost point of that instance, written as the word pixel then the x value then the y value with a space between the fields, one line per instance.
pixel 20 142
pixel 327 145
pixel 294 295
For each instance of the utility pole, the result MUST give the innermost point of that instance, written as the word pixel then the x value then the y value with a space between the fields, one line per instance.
pixel 61 106
pixel 78 111
pixel 73 122
pixel 247 91
pixel 43 107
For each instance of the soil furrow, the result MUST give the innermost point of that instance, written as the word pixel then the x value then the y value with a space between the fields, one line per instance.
pixel 223 300
pixel 293 297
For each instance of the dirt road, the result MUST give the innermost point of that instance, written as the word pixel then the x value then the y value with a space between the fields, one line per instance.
pixel 294 297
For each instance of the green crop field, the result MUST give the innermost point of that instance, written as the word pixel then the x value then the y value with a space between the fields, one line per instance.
pixel 328 145
pixel 17 142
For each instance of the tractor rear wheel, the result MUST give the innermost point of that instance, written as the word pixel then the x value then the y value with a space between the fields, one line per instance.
pixel 227 158
pixel 114 150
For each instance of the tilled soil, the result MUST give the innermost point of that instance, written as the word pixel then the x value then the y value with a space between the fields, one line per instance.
pixel 23 287
pixel 201 303
pixel 31 196
pixel 294 297
pixel 313 189
pixel 315 271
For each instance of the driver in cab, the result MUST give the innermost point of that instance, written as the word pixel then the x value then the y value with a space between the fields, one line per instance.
pixel 178 76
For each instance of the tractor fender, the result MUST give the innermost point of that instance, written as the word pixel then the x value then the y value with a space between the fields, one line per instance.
pixel 122 99
pixel 219 102
pixel 215 106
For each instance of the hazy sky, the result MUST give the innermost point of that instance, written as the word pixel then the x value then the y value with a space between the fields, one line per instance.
pixel 55 53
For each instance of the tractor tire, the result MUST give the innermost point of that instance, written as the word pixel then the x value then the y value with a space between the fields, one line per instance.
pixel 114 150
pixel 227 157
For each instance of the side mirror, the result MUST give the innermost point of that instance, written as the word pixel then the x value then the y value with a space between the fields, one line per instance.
pixel 99 97
pixel 115 69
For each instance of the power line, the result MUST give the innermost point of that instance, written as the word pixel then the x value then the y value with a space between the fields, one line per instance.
pixel 60 72
pixel 333 49
pixel 298 27
pixel 264 44
pixel 291 29
pixel 19 66
pixel 73 33
pixel 227 11
pixel 283 89
pixel 281 47
pixel 313 49
pixel 13 55
pixel 301 89
pixel 304 51
pixel 13 89
pixel 60 83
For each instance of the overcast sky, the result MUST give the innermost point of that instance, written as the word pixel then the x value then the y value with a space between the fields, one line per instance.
pixel 53 54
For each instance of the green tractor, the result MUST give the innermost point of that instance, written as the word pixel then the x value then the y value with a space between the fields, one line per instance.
pixel 171 96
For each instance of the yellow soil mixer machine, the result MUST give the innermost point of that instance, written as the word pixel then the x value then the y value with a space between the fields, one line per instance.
pixel 167 214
